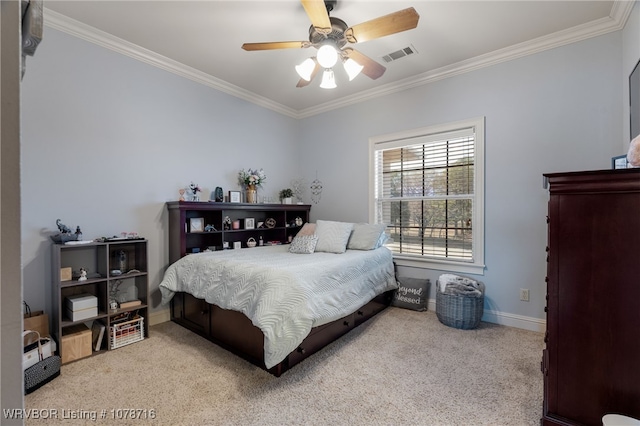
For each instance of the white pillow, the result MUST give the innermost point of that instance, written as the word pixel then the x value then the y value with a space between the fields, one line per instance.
pixel 332 236
pixel 365 236
pixel 303 244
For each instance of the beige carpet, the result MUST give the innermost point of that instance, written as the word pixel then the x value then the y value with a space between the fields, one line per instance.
pixel 400 368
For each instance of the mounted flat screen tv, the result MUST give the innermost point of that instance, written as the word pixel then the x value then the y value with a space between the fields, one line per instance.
pixel 634 101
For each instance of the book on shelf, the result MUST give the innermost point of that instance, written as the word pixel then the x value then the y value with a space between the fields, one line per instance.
pixel 130 304
pixel 97 333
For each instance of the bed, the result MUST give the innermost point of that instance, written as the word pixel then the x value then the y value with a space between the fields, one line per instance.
pixel 273 307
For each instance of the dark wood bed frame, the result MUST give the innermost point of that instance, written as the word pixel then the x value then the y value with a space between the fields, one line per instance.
pixel 233 331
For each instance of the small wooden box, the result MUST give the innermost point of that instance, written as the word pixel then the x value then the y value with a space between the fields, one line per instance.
pixel 76 343
pixel 65 274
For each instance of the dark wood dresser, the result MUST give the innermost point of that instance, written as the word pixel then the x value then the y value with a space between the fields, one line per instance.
pixel 591 362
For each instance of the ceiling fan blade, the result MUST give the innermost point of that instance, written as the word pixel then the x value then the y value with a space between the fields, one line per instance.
pixel 396 22
pixel 276 45
pixel 317 12
pixel 371 69
pixel 302 82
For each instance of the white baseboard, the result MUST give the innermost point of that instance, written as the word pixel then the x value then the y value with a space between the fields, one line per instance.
pixel 510 320
pixel 158 317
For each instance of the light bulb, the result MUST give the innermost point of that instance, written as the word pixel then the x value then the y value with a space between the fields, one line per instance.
pixel 352 68
pixel 305 69
pixel 327 56
pixel 328 80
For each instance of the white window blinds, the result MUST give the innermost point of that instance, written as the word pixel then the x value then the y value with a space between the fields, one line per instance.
pixel 425 192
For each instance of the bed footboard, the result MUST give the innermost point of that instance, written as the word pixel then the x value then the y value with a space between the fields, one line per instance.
pixel 233 331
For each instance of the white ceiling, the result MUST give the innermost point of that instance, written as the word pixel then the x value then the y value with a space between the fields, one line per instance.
pixel 202 40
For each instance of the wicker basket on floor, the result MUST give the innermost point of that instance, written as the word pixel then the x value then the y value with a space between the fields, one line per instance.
pixel 459 311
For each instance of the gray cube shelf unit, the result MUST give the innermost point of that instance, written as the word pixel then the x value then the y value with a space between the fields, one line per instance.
pixel 182 214
pixel 101 260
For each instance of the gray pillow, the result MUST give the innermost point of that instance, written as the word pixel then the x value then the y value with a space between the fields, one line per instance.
pixel 332 236
pixel 384 238
pixel 303 244
pixel 412 293
pixel 365 236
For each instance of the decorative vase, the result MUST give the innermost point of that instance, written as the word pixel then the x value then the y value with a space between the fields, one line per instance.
pixel 252 194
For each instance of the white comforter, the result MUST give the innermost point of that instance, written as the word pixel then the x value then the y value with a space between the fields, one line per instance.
pixel 282 293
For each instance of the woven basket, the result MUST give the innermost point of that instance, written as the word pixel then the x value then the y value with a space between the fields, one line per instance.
pixel 459 311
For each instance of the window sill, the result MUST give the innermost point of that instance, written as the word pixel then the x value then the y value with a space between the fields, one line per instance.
pixel 441 265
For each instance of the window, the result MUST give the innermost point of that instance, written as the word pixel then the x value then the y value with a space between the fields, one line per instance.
pixel 427 186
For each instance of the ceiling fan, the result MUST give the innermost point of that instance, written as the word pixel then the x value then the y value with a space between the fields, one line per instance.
pixel 329 35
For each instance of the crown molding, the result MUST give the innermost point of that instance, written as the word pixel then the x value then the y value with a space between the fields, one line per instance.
pixel 616 21
pixel 93 35
pixel 620 12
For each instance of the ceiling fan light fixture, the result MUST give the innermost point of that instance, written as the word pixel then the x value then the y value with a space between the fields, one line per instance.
pixel 305 69
pixel 327 56
pixel 328 80
pixel 352 68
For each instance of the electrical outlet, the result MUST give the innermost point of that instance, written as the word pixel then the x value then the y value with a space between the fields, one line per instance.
pixel 524 294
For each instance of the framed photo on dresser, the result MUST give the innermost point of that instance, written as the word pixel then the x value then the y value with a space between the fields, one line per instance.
pixel 634 101
pixel 234 196
pixel 619 162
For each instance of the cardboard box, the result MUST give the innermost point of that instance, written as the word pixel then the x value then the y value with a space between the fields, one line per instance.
pixel 81 301
pixel 76 342
pixel 65 274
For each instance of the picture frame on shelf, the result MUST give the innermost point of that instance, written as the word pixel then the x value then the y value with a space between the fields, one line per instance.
pixel 234 196
pixel 249 223
pixel 619 162
pixel 196 224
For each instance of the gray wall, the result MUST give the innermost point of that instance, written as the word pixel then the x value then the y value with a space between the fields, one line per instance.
pixel 107 140
pixel 121 138
pixel 559 110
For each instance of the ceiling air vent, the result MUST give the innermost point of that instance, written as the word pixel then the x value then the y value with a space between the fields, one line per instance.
pixel 394 56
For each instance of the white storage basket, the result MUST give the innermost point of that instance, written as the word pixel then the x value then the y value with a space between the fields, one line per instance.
pixel 124 333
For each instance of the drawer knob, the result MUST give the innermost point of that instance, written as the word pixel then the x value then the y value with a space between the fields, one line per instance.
pixel 346 323
pixel 301 350
pixel 360 313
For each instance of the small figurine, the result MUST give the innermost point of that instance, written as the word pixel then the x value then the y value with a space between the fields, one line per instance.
pixel 64 229
pixel 182 191
pixel 194 189
pixel 83 275
pixel 78 233
pixel 210 228
pixel 65 234
pixel 226 225
pixel 122 261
